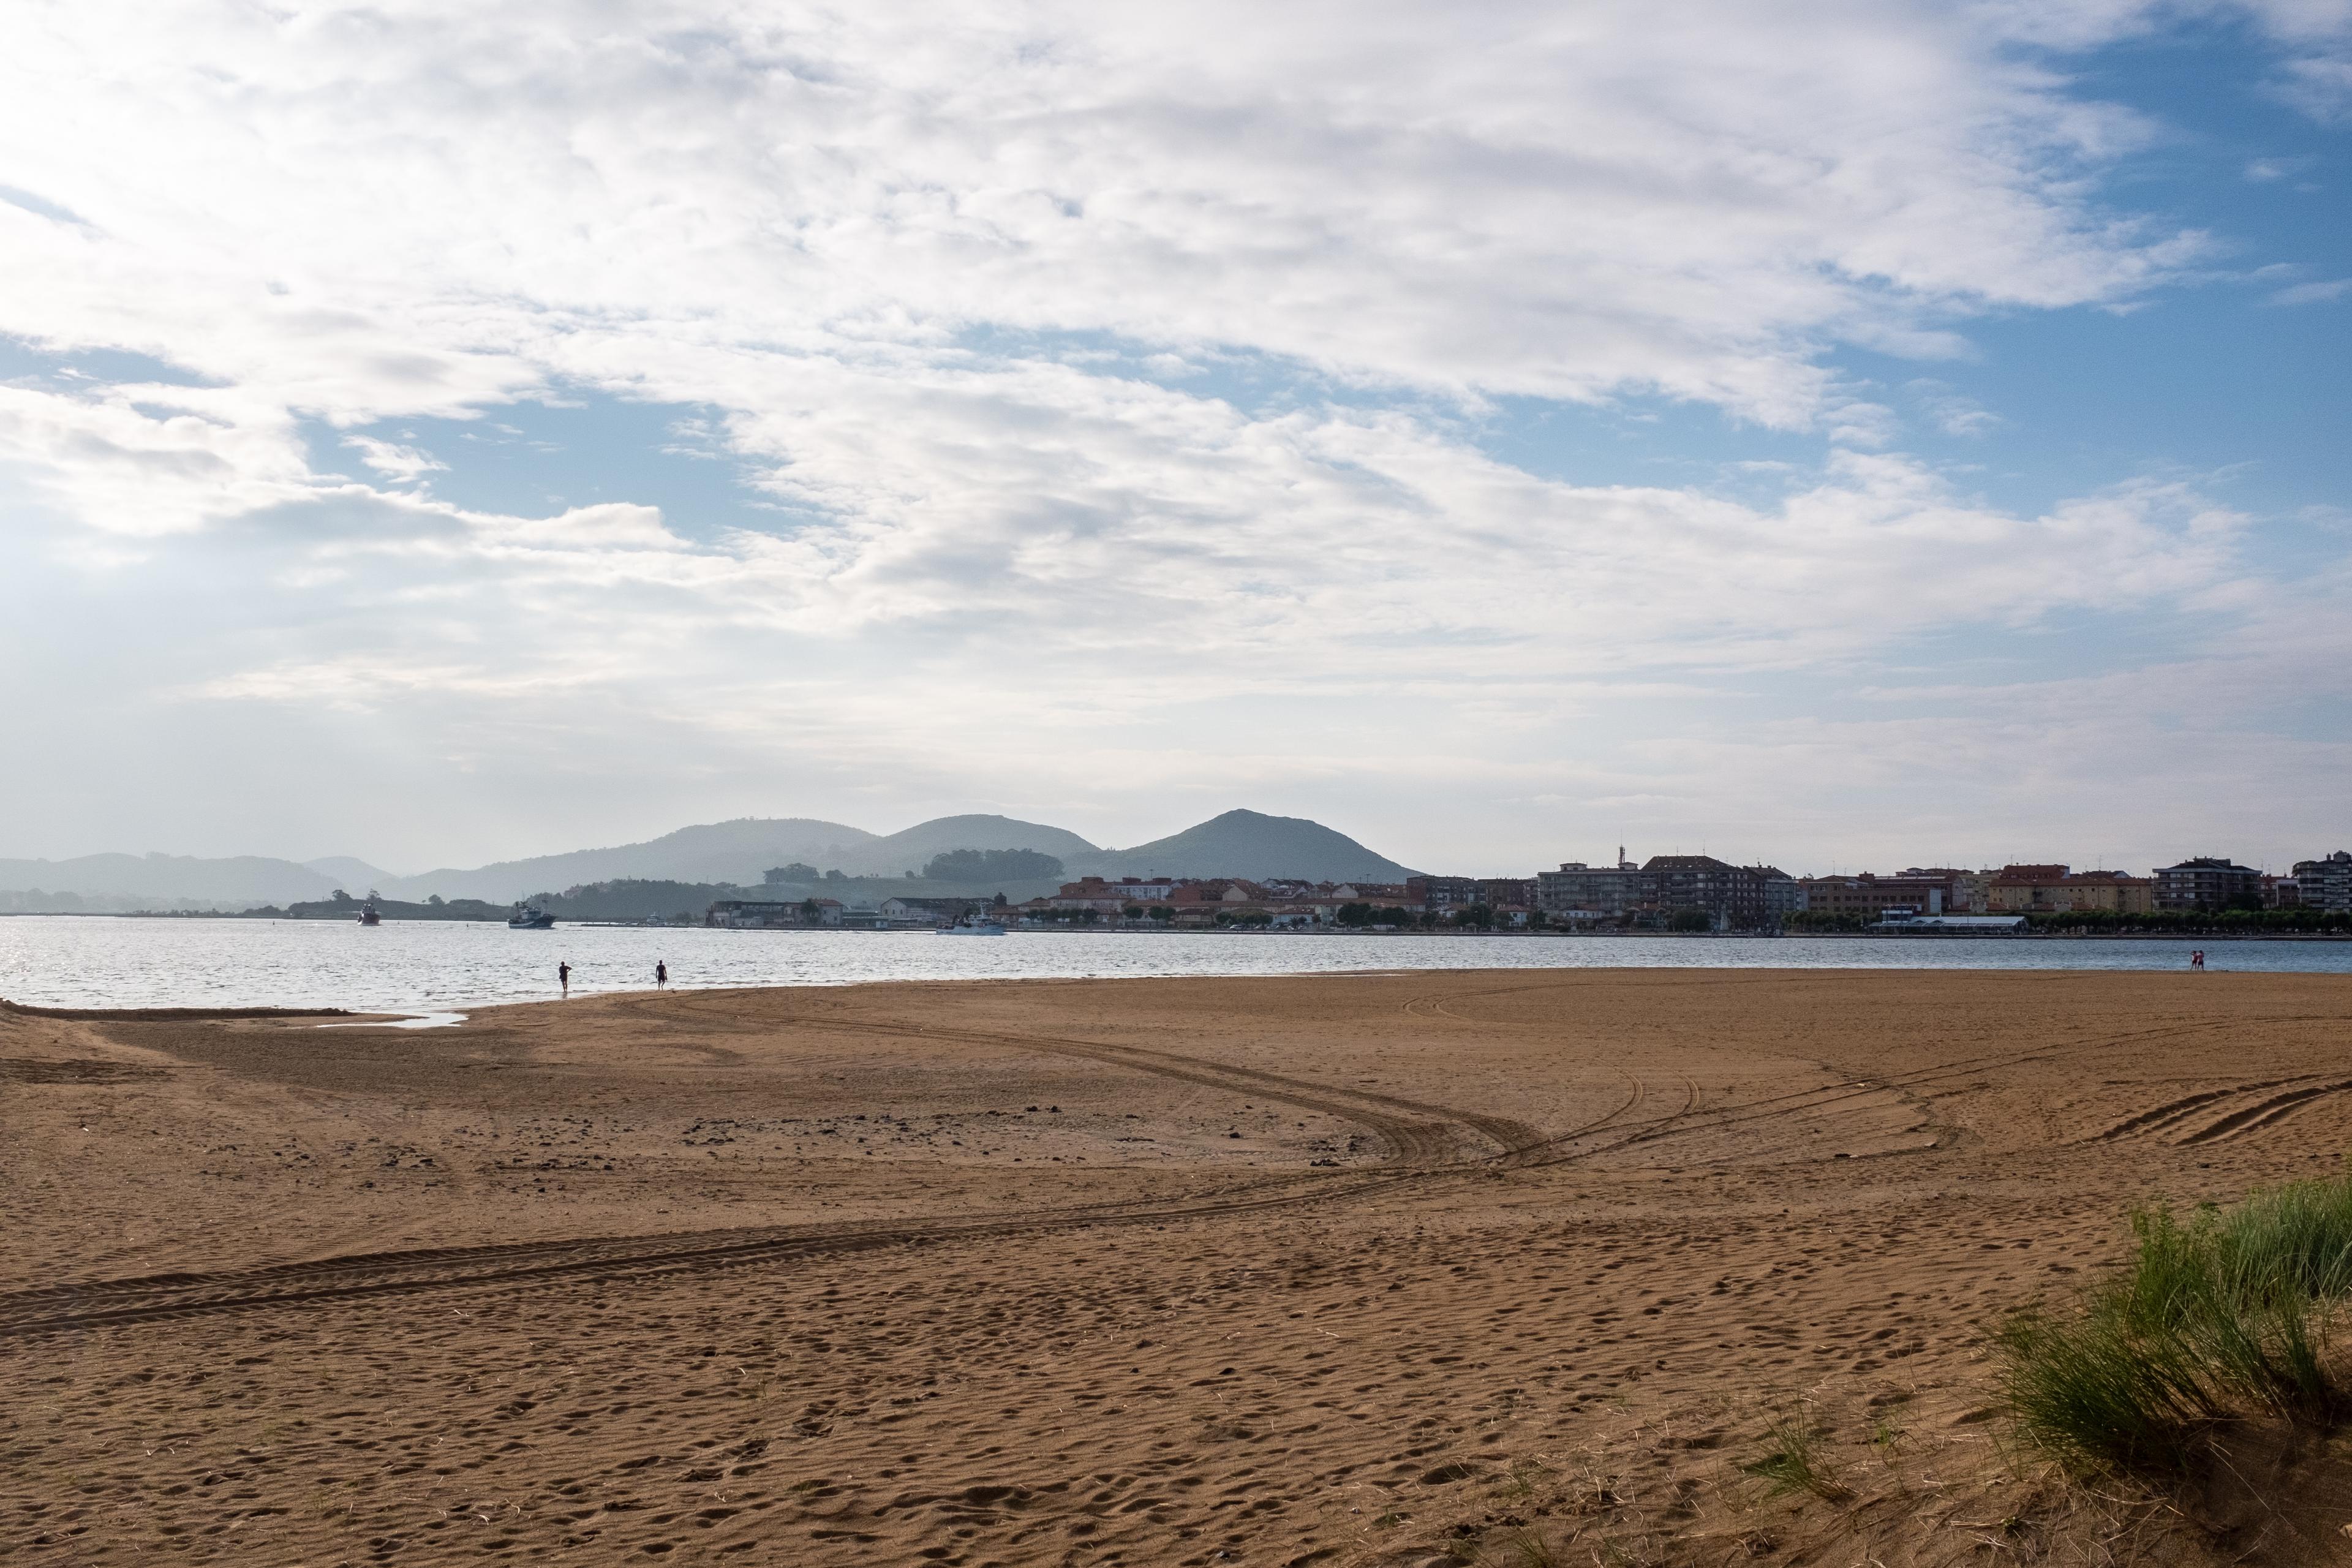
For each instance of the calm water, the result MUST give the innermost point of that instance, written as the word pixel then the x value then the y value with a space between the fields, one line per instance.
pixel 418 966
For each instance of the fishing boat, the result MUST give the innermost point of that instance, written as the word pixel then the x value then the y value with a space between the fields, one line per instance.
pixel 529 916
pixel 368 917
pixel 971 922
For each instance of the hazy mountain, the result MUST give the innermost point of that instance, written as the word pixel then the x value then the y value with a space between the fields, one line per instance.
pixel 1246 844
pixel 912 848
pixel 353 875
pixel 236 881
pixel 734 852
pixel 1238 844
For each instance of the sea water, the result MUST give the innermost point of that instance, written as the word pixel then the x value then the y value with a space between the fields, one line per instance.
pixel 436 966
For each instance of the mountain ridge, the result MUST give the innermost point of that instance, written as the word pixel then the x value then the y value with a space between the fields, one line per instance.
pixel 735 851
pixel 739 851
pixel 1251 844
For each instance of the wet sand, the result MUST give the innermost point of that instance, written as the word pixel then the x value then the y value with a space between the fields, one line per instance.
pixel 1371 1269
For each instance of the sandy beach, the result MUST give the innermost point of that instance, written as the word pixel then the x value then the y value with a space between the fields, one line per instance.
pixel 1367 1269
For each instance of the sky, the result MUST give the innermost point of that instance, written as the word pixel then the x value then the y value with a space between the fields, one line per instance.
pixel 1846 435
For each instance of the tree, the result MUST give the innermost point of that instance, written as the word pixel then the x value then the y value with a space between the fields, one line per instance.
pixel 1691 920
pixel 1477 917
pixel 1354 915
pixel 991 866
pixel 1162 912
pixel 434 899
pixel 837 875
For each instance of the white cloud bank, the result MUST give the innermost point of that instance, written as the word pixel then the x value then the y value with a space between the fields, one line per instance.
pixel 888 246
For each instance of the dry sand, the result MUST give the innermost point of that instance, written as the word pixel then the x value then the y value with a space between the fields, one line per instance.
pixel 1388 1268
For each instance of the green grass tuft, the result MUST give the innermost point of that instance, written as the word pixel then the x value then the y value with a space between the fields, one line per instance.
pixel 1792 1463
pixel 2225 1313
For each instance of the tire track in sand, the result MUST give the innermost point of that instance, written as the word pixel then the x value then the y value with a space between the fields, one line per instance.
pixel 72 1308
pixel 2174 1111
pixel 1418 1148
pixel 2264 1114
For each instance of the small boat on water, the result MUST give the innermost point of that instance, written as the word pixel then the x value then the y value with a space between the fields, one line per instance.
pixel 529 916
pixel 368 917
pixel 972 923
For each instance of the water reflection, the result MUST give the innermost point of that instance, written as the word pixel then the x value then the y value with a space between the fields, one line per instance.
pixel 438 968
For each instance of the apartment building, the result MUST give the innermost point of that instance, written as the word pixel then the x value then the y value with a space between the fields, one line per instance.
pixel 1871 897
pixel 2324 883
pixel 1731 896
pixel 1508 892
pixel 1783 894
pixel 1442 895
pixel 2207 883
pixel 2055 890
pixel 1579 889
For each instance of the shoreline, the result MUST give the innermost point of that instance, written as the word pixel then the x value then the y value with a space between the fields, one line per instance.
pixel 1067 929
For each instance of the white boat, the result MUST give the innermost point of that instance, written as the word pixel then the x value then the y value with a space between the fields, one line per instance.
pixel 973 925
pixel 529 916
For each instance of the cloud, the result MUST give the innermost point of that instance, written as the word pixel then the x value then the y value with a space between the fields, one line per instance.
pixel 2314 293
pixel 1608 204
pixel 1115 374
pixel 1314 540
pixel 2321 86
pixel 395 462
pixel 152 459
pixel 1951 411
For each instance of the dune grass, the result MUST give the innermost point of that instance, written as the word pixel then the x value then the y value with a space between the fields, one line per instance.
pixel 2224 1314
pixel 1792 1463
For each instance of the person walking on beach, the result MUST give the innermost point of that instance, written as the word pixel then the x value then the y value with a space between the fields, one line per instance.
pixel 661 974
pixel 563 978
pixel 2197 958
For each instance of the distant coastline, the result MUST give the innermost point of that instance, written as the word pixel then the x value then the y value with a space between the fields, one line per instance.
pixel 498 916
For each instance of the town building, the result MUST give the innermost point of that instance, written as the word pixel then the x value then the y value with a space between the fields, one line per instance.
pixel 2207 883
pixel 1783 894
pixel 1871 897
pixel 2324 883
pixel 759 914
pixel 1578 890
pixel 1441 895
pixel 1732 897
pixel 2055 890
pixel 1965 891
pixel 1092 893
pixel 1972 890
pixel 1111 894
pixel 1226 892
pixel 933 911
pixel 1507 893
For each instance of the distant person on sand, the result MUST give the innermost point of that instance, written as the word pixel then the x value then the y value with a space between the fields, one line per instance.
pixel 563 977
pixel 2197 958
pixel 661 974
